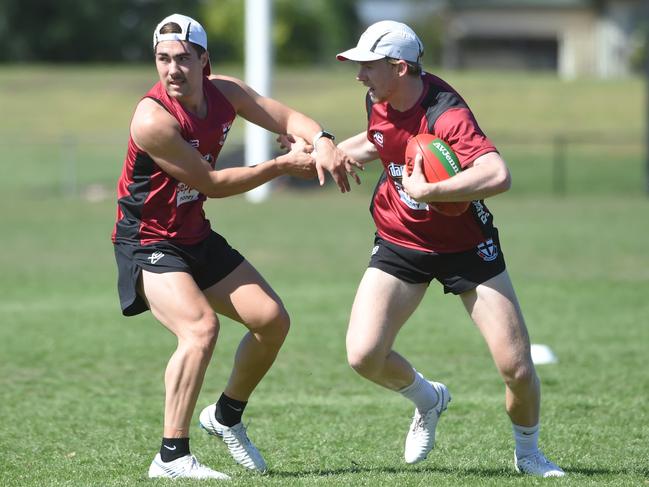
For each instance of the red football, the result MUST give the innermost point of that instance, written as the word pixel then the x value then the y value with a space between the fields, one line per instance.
pixel 439 163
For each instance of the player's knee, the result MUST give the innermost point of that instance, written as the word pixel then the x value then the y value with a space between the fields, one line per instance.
pixel 364 362
pixel 281 322
pixel 273 321
pixel 202 333
pixel 521 375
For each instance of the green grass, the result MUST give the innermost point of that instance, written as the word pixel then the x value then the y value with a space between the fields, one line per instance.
pixel 82 386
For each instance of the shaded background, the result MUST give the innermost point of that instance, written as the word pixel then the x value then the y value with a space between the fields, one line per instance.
pixel 605 38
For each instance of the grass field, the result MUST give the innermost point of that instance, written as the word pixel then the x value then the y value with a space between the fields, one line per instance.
pixel 82 386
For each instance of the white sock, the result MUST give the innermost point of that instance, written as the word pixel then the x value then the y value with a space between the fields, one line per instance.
pixel 527 440
pixel 421 392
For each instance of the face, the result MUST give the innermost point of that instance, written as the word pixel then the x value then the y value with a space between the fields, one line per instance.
pixel 380 77
pixel 180 68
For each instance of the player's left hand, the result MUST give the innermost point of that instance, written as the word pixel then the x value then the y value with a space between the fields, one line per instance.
pixel 415 185
pixel 337 163
pixel 286 141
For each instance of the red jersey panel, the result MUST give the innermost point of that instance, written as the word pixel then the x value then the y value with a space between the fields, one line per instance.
pixel 398 218
pixel 153 206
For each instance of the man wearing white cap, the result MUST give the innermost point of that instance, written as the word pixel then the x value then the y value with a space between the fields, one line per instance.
pixel 415 243
pixel 170 260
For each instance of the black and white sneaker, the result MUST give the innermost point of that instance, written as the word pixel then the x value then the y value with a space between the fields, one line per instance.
pixel 241 448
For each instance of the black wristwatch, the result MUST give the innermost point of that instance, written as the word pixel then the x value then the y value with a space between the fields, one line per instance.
pixel 323 133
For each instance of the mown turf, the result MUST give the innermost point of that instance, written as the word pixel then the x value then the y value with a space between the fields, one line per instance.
pixel 82 386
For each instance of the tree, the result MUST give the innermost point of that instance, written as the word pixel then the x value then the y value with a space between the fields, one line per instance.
pixel 118 30
pixel 303 32
pixel 73 31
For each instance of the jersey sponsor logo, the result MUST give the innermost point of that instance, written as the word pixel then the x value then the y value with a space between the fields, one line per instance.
pixel 226 130
pixel 185 194
pixel 378 138
pixel 396 172
pixel 447 155
pixel 487 250
pixel 481 211
pixel 155 257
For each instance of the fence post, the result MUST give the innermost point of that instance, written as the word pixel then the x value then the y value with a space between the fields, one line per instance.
pixel 646 66
pixel 559 165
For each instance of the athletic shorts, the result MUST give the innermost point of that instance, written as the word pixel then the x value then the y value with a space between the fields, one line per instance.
pixel 208 262
pixel 459 272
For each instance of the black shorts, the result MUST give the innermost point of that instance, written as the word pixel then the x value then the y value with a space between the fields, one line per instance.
pixel 458 272
pixel 208 262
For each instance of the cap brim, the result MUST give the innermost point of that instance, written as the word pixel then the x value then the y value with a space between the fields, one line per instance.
pixel 359 55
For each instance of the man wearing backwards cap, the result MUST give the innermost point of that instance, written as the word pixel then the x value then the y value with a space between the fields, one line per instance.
pixel 171 262
pixel 415 243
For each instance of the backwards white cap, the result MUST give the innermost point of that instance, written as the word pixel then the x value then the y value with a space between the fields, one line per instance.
pixel 386 38
pixel 191 31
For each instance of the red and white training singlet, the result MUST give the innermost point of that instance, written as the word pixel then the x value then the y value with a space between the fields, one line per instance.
pixel 153 206
pixel 398 218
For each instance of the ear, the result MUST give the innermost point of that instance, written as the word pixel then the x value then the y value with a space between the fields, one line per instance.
pixel 402 68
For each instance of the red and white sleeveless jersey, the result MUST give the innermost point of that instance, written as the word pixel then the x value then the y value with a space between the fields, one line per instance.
pixel 153 206
pixel 398 218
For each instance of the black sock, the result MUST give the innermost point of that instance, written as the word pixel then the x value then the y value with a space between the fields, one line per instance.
pixel 228 411
pixel 173 448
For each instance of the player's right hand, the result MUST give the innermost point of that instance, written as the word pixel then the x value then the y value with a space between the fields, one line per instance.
pixel 298 162
pixel 339 165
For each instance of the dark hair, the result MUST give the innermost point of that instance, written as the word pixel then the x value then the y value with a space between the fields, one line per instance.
pixel 414 69
pixel 174 28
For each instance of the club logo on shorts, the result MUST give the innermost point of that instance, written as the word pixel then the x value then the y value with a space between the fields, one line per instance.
pixel 155 257
pixel 488 251
pixel 375 250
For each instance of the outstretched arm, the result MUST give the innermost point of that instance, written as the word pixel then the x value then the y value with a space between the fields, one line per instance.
pixel 281 119
pixel 359 148
pixel 155 131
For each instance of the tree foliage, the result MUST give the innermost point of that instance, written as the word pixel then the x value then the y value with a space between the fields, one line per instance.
pixel 74 31
pixel 303 32
pixel 120 30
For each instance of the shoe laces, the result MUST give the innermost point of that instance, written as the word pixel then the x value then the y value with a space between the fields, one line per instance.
pixel 537 459
pixel 419 423
pixel 194 464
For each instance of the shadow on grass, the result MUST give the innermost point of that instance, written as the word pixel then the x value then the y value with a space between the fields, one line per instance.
pixel 480 472
pixel 467 472
pixel 592 471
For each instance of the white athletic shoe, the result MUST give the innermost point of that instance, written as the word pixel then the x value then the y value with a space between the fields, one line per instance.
pixel 186 467
pixel 421 436
pixel 236 439
pixel 537 464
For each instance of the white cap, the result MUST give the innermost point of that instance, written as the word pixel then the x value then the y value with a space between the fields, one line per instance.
pixel 191 31
pixel 386 38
